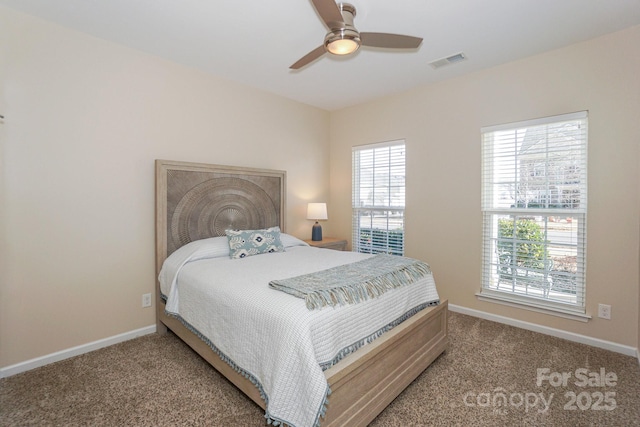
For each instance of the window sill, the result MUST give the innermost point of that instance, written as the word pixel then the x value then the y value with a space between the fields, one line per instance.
pixel 532 306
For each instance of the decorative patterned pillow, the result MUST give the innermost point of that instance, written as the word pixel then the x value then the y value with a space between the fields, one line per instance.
pixel 244 243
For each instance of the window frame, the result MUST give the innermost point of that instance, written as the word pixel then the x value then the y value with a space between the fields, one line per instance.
pixel 386 239
pixel 539 206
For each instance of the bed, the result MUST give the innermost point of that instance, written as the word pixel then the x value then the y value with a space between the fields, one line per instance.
pixel 196 203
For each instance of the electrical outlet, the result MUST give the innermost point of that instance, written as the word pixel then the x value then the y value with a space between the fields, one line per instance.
pixel 604 311
pixel 146 300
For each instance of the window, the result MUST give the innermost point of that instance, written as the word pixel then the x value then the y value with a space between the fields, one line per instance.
pixel 378 198
pixel 534 205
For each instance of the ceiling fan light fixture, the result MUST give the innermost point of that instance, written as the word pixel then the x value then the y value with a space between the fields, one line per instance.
pixel 342 42
pixel 343 38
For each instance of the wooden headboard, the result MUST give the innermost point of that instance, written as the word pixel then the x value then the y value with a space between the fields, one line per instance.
pixel 196 201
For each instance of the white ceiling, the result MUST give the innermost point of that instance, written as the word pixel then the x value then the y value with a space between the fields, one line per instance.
pixel 255 41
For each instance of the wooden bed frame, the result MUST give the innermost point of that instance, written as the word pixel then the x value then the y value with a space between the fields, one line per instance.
pixel 196 201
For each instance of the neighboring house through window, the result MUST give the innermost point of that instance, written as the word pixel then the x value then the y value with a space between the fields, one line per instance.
pixel 534 205
pixel 378 191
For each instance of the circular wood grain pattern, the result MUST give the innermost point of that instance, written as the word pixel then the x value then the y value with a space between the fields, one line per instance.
pixel 218 204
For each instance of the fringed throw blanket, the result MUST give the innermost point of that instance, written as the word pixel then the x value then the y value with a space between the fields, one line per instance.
pixel 355 282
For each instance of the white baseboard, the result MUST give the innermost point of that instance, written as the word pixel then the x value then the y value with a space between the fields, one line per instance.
pixel 74 351
pixel 95 345
pixel 583 339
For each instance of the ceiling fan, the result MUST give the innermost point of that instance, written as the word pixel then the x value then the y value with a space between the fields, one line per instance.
pixel 344 39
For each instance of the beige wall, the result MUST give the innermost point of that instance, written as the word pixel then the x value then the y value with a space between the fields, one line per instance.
pixel 441 124
pixel 85 120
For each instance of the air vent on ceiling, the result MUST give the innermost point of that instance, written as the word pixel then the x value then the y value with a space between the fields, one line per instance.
pixel 448 60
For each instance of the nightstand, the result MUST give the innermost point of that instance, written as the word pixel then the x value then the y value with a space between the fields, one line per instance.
pixel 329 243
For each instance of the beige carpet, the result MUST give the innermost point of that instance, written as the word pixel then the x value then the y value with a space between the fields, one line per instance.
pixel 158 381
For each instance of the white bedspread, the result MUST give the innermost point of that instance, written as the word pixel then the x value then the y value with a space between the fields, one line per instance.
pixel 271 336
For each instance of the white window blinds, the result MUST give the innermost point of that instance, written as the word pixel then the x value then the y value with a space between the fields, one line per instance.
pixel 378 190
pixel 534 204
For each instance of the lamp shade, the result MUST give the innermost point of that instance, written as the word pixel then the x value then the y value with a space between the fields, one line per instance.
pixel 317 211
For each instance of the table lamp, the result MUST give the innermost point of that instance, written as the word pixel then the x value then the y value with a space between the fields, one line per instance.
pixel 317 212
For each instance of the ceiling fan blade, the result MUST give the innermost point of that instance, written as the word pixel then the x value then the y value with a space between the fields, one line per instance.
pixel 329 12
pixel 309 57
pixel 393 41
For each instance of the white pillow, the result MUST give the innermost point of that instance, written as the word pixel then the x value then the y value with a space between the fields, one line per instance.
pixel 213 247
pixel 288 241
